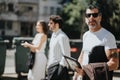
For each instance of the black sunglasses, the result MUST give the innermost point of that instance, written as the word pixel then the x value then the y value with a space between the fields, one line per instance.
pixel 87 15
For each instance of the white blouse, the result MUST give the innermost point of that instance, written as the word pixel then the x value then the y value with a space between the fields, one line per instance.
pixel 36 42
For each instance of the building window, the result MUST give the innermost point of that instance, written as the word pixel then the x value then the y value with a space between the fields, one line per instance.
pixel 2 7
pixel 29 8
pixel 9 25
pixel 52 10
pixel 45 10
pixel 10 7
pixel 58 10
pixel 2 24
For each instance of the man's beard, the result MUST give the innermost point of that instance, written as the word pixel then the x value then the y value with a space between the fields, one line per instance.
pixel 92 25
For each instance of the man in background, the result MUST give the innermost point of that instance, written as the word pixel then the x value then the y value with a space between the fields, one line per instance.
pixel 58 46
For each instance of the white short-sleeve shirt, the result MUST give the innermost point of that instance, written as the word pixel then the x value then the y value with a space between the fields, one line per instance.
pixel 92 39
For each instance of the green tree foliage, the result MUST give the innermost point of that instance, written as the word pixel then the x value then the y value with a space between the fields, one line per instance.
pixel 115 19
pixel 111 15
pixel 73 18
pixel 73 15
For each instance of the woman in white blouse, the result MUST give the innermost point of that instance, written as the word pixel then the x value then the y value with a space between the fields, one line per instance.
pixel 38 46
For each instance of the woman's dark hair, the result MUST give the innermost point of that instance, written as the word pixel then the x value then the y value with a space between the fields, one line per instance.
pixel 44 26
pixel 57 19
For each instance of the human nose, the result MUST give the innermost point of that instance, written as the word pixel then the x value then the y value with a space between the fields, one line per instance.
pixel 48 24
pixel 91 16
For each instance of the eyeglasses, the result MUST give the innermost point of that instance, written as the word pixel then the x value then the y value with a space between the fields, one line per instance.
pixel 87 15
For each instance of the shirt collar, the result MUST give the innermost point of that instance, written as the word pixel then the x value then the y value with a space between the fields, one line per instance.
pixel 56 33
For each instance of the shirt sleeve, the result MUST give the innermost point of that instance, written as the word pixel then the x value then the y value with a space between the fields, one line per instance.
pixel 65 48
pixel 110 42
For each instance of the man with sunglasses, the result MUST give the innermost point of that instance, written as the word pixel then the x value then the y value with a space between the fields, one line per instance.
pixel 97 36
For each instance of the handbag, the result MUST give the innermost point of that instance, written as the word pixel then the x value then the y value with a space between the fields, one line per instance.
pixel 96 71
pixel 31 60
pixel 97 54
pixel 58 72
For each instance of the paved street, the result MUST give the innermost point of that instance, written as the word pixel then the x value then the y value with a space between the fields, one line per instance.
pixel 10 66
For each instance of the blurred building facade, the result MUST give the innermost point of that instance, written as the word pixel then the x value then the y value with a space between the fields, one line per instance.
pixel 18 17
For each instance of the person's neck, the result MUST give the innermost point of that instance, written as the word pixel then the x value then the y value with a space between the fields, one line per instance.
pixel 95 29
pixel 56 30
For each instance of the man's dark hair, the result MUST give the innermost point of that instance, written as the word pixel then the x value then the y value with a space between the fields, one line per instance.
pixel 93 6
pixel 57 19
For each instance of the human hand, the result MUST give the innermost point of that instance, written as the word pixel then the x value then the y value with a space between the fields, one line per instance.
pixel 80 71
pixel 25 44
pixel 75 76
pixel 33 50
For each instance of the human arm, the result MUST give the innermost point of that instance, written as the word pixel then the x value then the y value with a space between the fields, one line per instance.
pixel 111 52
pixel 113 58
pixel 79 70
pixel 32 46
pixel 64 45
pixel 80 57
pixel 65 48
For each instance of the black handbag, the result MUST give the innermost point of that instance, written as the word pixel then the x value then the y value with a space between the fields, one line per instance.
pixel 31 60
pixel 58 72
pixel 97 55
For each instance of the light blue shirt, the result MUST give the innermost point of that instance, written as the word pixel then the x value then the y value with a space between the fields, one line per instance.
pixel 59 45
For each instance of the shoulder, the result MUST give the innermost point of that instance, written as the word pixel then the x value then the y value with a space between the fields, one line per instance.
pixel 86 33
pixel 107 33
pixel 37 36
pixel 44 36
pixel 62 35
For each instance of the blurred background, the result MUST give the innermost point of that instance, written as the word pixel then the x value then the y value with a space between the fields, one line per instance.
pixel 18 19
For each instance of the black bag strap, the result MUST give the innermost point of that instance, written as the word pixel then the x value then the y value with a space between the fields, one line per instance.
pixel 47 48
pixel 67 63
pixel 46 54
